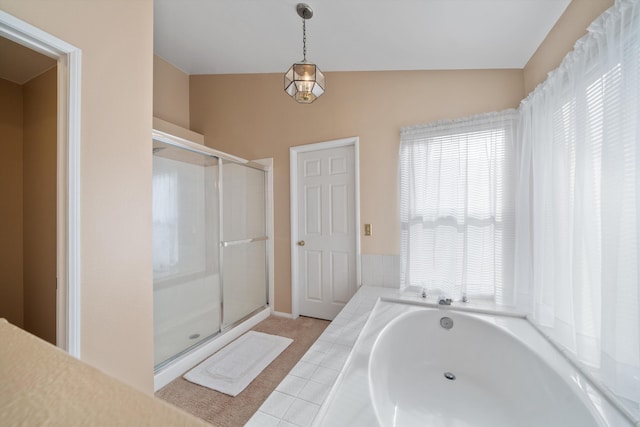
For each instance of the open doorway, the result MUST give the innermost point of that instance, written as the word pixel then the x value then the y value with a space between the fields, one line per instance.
pixel 31 195
pixel 28 171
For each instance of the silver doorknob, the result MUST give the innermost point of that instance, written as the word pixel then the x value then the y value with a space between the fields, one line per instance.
pixel 301 243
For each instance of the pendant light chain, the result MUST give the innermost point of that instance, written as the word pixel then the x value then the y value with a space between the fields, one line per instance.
pixel 304 40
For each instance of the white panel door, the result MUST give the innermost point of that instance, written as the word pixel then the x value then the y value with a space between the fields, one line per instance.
pixel 326 231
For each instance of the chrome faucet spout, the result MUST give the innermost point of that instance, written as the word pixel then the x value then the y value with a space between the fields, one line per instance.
pixel 444 301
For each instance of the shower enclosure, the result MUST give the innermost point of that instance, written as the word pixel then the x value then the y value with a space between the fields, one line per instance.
pixel 209 245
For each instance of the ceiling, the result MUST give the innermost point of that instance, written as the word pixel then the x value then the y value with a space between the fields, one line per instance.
pixel 19 64
pixel 265 36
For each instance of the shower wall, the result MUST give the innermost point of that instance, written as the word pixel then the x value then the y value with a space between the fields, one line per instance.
pixel 209 251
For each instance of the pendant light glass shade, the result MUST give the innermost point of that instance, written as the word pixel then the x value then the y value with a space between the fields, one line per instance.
pixel 304 82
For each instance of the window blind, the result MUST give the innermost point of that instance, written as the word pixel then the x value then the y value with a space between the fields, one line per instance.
pixel 583 235
pixel 456 206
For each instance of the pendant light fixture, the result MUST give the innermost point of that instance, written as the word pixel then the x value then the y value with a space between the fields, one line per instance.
pixel 304 81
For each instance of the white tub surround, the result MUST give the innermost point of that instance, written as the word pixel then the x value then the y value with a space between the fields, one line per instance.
pixel 389 377
pixel 381 270
pixel 297 400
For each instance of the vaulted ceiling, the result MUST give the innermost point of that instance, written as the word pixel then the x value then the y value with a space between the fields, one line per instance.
pixel 264 36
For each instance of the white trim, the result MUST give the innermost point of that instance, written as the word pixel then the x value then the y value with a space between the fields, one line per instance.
pixel 68 181
pixel 74 74
pixel 293 196
pixel 178 131
pixel 193 146
pixel 271 296
pixel 356 147
pixel 178 367
pixel 281 314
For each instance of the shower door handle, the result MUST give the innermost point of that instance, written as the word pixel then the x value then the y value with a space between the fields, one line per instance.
pixel 228 243
pixel 301 243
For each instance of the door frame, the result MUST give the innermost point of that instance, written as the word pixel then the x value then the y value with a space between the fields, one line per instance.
pixel 293 188
pixel 69 59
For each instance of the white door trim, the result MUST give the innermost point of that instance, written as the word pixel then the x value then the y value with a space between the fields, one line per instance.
pixel 293 188
pixel 68 180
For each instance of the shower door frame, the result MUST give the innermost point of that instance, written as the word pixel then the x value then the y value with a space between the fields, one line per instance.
pixel 193 355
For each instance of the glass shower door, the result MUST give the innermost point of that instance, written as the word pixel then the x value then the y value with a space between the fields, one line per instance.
pixel 244 241
pixel 186 284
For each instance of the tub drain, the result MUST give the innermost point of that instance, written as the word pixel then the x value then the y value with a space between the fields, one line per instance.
pixel 449 376
pixel 194 336
pixel 446 322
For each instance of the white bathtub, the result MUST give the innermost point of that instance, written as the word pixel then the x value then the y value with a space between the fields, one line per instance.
pixel 401 369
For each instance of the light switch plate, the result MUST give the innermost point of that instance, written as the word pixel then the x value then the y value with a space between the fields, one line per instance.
pixel 367 229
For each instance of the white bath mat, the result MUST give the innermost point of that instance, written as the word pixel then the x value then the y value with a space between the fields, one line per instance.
pixel 231 369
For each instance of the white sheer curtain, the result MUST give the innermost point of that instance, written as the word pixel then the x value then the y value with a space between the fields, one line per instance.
pixel 456 186
pixel 578 227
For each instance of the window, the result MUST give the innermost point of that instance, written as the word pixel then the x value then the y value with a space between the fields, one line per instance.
pixel 456 206
pixel 580 137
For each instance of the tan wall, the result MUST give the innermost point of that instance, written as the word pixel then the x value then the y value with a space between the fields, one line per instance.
pixel 570 27
pixel 170 93
pixel 39 177
pixel 116 38
pixel 11 263
pixel 251 116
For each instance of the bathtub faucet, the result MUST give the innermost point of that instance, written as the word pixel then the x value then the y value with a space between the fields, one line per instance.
pixel 444 301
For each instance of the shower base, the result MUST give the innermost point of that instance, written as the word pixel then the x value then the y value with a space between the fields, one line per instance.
pixel 173 369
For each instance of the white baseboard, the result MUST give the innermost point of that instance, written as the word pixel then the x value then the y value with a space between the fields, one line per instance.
pixel 172 371
pixel 280 314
